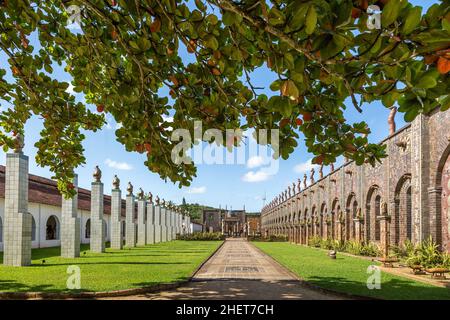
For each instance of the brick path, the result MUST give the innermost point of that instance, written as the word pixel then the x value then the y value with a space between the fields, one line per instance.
pixel 240 271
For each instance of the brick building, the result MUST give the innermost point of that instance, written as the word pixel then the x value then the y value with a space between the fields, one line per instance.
pixel 407 196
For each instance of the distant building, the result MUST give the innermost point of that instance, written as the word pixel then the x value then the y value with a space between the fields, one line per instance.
pixel 232 223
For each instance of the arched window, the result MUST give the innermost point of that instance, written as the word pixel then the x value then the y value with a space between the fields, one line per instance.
pixel 87 230
pixel 371 223
pixel 52 228
pixel 33 229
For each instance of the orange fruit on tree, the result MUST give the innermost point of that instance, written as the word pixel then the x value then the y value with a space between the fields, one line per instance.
pixel 443 65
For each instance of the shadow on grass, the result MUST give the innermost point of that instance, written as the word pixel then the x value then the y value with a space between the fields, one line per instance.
pixel 78 262
pixel 396 289
pixel 14 286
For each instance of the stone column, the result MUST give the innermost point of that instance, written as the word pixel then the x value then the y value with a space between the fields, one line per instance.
pixel 142 226
pixel 150 220
pixel 188 224
pixel 163 222
pixel 358 224
pixel 70 225
pixel 130 235
pixel 17 228
pixel 385 220
pixel 116 210
pixel 97 223
pixel 158 221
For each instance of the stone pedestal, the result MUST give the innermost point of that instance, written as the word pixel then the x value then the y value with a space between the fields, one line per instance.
pixel 97 223
pixel 150 223
pixel 116 223
pixel 157 217
pixel 142 227
pixel 385 222
pixel 130 234
pixel 17 227
pixel 70 225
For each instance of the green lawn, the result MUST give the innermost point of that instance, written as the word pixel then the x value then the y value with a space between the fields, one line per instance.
pixel 113 270
pixel 346 274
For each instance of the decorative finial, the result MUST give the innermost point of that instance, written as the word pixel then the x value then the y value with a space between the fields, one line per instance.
pixel 157 200
pixel 97 174
pixel 116 182
pixel 311 176
pixel 289 191
pixel 332 167
pixel 299 185
pixel 18 143
pixel 391 120
pixel 140 194
pixel 163 203
pixel 150 197
pixel 130 189
pixel 293 188
pixel 305 177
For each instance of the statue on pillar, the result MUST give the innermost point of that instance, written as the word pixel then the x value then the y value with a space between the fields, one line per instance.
pixel 331 167
pixel 116 182
pixel 140 194
pixel 150 197
pixel 289 191
pixel 130 189
pixel 163 203
pixel 293 188
pixel 311 176
pixel 299 185
pixel 157 200
pixel 97 174
pixel 18 143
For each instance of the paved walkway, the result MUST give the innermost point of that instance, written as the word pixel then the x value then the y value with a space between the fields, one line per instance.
pixel 240 271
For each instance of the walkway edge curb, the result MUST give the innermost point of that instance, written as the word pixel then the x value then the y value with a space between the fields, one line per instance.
pixel 313 286
pixel 105 294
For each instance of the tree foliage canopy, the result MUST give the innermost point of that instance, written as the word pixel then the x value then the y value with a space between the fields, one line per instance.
pixel 130 52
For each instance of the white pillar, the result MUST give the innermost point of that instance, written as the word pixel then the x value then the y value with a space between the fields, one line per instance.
pixel 142 228
pixel 70 225
pixel 97 223
pixel 150 220
pixel 116 210
pixel 17 228
pixel 130 235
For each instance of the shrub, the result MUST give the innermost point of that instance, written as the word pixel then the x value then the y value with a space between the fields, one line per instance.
pixel 315 241
pixel 202 236
pixel 427 254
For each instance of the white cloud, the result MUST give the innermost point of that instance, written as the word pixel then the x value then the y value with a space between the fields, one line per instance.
pixel 256 176
pixel 255 162
pixel 196 190
pixel 305 167
pixel 118 165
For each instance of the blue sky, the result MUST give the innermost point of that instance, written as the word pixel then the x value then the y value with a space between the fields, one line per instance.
pixel 224 185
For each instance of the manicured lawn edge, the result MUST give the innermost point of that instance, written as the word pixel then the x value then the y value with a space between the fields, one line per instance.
pixel 105 294
pixel 310 285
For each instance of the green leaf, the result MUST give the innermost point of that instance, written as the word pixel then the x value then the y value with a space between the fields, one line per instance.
pixel 311 20
pixel 390 12
pixel 412 20
pixel 426 82
pixel 211 42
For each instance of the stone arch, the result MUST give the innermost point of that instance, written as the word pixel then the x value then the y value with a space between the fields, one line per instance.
pixel 52 228
pixel 443 210
pixel 335 208
pixel 402 219
pixel 351 210
pixel 372 225
pixel 87 229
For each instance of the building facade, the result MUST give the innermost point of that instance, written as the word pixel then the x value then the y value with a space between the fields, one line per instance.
pixel 407 196
pixel 45 208
pixel 233 223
